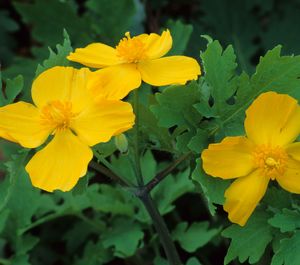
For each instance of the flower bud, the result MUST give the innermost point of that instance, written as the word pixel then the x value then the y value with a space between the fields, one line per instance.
pixel 121 143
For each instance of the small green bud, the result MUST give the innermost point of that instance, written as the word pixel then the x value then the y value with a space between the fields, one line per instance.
pixel 121 143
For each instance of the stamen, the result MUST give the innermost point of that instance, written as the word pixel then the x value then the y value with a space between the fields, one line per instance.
pixel 131 50
pixel 272 160
pixel 57 115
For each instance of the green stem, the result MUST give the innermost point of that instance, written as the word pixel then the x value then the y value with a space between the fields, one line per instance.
pixel 138 169
pixel 161 175
pixel 144 195
pixel 108 172
pixel 161 229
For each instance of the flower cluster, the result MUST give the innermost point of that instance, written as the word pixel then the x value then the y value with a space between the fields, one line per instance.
pixel 267 152
pixel 79 108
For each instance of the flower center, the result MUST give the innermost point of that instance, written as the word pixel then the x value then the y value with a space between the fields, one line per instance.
pixel 57 114
pixel 131 50
pixel 271 160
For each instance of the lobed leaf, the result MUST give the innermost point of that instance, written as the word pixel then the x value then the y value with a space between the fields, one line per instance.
pixel 288 252
pixel 250 241
pixel 195 236
pixel 58 58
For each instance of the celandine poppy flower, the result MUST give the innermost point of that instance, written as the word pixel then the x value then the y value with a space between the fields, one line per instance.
pixel 135 59
pixel 65 109
pixel 266 153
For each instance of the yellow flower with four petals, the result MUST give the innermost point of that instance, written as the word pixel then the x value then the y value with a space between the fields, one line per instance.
pixel 64 108
pixel 267 152
pixel 133 60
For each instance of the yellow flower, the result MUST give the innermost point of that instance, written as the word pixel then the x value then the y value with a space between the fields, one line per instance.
pixel 135 59
pixel 65 109
pixel 267 153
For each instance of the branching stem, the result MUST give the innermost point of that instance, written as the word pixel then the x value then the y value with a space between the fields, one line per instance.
pixel 161 175
pixel 143 194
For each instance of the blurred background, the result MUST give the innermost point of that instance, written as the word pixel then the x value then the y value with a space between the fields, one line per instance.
pixel 28 27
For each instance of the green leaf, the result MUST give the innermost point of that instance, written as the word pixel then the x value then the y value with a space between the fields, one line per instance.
pixel 165 196
pixel 7 43
pixel 82 185
pixel 273 73
pixel 123 167
pixel 22 198
pixel 183 140
pixel 81 231
pixel 181 34
pixel 286 221
pixel 219 67
pixel 159 136
pixel 175 106
pixel 94 254
pixel 112 200
pixel 278 198
pixel 26 67
pixel 158 260
pixel 58 58
pixel 103 150
pixel 21 260
pixel 106 15
pixel 288 252
pixel 212 188
pixel 199 141
pixel 3 219
pixel 12 90
pixel 25 244
pixel 195 236
pixel 250 241
pixel 221 82
pixel 61 14
pixel 148 166
pixel 124 236
pixel 193 261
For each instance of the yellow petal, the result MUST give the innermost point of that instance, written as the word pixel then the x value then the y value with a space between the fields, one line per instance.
pixel 169 70
pixel 156 46
pixel 95 55
pixel 60 164
pixel 243 195
pixel 290 180
pixel 6 136
pixel 101 121
pixel 293 150
pixel 64 84
pixel 114 82
pixel 20 122
pixel 273 119
pixel 231 158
